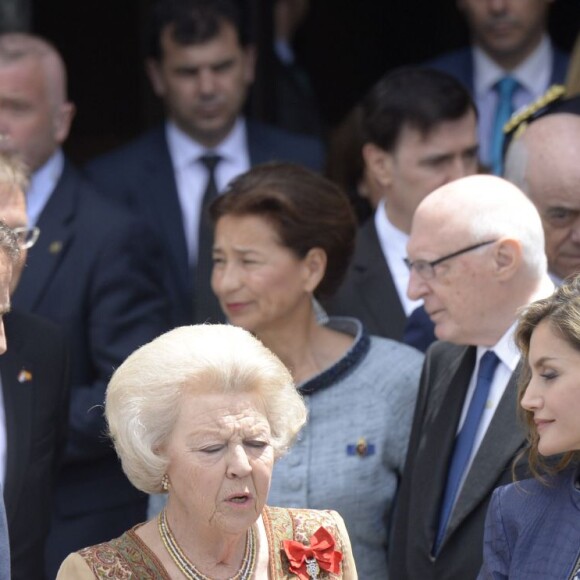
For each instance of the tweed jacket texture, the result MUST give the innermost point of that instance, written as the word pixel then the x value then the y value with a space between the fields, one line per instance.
pixel 350 455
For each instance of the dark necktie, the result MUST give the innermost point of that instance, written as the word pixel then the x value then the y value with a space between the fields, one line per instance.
pixel 465 440
pixel 505 88
pixel 205 305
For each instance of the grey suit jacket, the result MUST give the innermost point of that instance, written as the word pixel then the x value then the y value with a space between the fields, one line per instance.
pixel 368 291
pixel 446 374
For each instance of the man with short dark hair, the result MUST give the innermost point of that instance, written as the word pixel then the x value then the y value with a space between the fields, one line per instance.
pixel 420 133
pixel 201 65
pixel 511 62
pixel 476 257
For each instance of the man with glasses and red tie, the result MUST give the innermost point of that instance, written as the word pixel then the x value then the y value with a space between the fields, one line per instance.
pixel 476 255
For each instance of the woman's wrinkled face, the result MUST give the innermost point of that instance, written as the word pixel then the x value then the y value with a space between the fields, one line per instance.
pixel 220 461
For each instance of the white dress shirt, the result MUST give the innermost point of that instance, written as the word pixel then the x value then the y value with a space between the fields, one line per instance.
pixel 394 246
pixel 533 76
pixel 42 184
pixel 509 356
pixel 191 175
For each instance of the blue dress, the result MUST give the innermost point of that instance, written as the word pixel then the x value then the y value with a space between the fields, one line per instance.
pixel 532 530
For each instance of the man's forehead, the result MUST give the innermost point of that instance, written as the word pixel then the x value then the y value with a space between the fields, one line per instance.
pixel 226 36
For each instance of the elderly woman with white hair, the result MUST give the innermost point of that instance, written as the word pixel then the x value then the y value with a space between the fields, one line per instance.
pixel 202 413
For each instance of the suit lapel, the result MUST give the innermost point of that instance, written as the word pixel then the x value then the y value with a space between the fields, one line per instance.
pixel 18 400
pixel 375 284
pixel 444 410
pixel 55 225
pixel 501 442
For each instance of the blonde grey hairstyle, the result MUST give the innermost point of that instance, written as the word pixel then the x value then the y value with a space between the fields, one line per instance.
pixel 13 171
pixel 144 394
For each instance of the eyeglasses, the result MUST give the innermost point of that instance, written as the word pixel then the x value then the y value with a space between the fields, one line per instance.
pixel 426 269
pixel 26 237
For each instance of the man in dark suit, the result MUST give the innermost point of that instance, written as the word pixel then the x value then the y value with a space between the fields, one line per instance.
pixel 9 252
pixel 510 60
pixel 201 66
pixel 420 132
pixel 474 268
pixel 95 273
pixel 35 390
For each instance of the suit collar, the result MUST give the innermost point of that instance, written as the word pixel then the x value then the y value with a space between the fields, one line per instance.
pixel 56 225
pixel 374 282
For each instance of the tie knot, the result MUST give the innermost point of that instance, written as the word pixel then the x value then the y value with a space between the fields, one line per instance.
pixel 506 87
pixel 487 365
pixel 210 160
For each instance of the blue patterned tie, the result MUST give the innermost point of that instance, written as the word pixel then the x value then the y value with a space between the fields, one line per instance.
pixel 505 87
pixel 465 440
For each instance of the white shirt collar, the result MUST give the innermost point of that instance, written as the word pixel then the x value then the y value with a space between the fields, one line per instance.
pixel 184 150
pixel 397 240
pixel 533 74
pixel 505 349
pixel 42 184
pixel 393 244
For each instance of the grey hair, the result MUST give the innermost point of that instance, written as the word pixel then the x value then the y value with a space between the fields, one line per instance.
pixel 143 396
pixel 13 171
pixel 9 243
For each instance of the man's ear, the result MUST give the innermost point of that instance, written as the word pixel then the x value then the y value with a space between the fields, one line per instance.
pixel 508 257
pixel 153 70
pixel 62 121
pixel 379 163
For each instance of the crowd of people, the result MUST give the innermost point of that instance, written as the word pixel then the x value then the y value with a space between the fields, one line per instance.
pixel 213 366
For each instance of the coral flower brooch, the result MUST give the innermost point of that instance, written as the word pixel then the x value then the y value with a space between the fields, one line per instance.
pixel 306 561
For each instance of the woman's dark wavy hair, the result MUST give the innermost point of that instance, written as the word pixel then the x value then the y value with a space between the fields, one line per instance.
pixel 306 210
pixel 562 312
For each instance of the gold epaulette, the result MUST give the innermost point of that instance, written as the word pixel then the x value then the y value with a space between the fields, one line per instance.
pixel 519 120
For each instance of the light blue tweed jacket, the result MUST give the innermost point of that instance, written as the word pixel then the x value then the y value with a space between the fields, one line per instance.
pixel 351 453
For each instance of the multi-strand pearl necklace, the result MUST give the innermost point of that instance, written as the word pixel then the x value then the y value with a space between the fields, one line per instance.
pixel 186 566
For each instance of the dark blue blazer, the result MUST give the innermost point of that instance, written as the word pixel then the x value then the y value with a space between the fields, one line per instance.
pixel 532 530
pixel 94 273
pixel 140 176
pixel 459 64
pixel 35 390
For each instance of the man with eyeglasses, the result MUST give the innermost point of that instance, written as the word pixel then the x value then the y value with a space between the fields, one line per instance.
pixel 97 272
pixel 34 389
pixel 476 256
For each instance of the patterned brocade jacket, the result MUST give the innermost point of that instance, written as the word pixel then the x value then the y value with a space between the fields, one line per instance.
pixel 128 558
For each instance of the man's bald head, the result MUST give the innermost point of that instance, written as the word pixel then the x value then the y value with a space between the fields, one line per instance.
pixel 35 116
pixel 15 46
pixel 544 162
pixel 486 240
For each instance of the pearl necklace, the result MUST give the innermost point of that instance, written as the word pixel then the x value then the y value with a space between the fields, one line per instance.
pixel 186 566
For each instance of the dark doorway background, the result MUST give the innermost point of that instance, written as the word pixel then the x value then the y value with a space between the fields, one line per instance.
pixel 345 45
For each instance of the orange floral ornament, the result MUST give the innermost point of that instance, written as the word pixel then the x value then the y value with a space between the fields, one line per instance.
pixel 307 561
